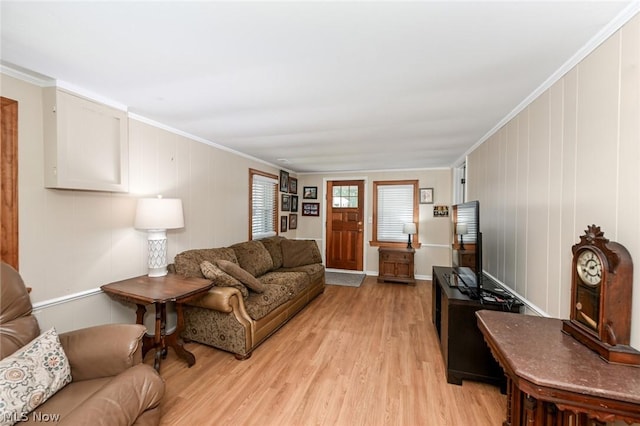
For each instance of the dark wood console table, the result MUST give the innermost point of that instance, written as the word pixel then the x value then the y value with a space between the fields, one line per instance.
pixel 396 265
pixel 466 355
pixel 159 291
pixel 552 379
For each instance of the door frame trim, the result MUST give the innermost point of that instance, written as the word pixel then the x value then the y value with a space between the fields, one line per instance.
pixel 366 213
pixel 9 217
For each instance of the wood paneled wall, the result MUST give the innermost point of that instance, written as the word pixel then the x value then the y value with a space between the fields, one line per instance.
pixel 568 160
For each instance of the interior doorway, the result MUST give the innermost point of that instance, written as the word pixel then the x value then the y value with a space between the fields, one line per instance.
pixel 345 224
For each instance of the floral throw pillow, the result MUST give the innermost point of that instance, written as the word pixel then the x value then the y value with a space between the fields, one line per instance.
pixel 32 375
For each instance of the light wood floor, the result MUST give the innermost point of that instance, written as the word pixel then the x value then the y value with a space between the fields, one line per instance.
pixel 354 356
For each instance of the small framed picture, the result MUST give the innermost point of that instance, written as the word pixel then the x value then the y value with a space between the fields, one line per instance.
pixel 310 192
pixel 440 211
pixel 426 195
pixel 285 206
pixel 293 221
pixel 310 209
pixel 294 203
pixel 284 181
pixel 293 185
pixel 283 223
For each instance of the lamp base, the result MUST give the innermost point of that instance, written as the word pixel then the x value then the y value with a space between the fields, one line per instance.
pixel 409 242
pixel 157 272
pixel 157 242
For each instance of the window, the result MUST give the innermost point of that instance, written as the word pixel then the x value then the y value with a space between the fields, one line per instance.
pixel 394 204
pixel 263 204
pixel 344 196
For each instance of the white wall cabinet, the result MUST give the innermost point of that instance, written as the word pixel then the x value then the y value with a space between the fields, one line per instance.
pixel 86 144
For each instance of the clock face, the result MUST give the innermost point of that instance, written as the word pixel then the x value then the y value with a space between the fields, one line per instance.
pixel 589 268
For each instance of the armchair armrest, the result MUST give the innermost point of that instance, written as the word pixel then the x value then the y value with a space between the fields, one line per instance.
pixel 122 401
pixel 103 350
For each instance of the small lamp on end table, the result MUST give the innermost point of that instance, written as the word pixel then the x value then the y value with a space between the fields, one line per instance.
pixel 461 229
pixel 410 229
pixel 156 215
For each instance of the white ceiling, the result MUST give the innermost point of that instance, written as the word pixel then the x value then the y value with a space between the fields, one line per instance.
pixel 327 86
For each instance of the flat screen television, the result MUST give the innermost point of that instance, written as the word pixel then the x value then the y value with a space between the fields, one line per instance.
pixel 467 238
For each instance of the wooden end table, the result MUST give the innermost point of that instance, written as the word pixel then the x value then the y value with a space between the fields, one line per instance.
pixel 159 291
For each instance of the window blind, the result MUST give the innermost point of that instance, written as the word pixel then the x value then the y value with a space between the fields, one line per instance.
pixel 395 208
pixel 468 216
pixel 263 206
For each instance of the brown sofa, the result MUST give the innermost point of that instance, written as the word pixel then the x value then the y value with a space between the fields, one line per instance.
pixel 109 384
pixel 258 286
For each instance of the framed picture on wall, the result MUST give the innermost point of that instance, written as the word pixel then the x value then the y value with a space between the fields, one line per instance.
pixel 310 192
pixel 293 185
pixel 294 203
pixel 284 181
pixel 283 223
pixel 285 206
pixel 426 195
pixel 310 209
pixel 293 221
pixel 440 211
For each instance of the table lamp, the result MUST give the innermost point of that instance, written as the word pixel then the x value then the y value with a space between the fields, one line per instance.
pixel 156 215
pixel 461 229
pixel 409 228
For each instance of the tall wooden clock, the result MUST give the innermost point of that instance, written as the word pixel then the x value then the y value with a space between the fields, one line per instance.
pixel 601 285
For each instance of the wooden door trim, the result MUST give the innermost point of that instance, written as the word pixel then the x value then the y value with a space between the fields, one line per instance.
pixel 9 182
pixel 361 183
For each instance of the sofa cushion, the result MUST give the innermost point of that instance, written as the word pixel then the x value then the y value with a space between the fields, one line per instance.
pixel 299 253
pixel 295 282
pixel 221 278
pixel 188 262
pixel 32 375
pixel 253 257
pixel 274 247
pixel 315 271
pixel 241 275
pixel 259 305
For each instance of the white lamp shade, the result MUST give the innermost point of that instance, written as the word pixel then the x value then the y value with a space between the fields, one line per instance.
pixel 409 228
pixel 159 213
pixel 461 228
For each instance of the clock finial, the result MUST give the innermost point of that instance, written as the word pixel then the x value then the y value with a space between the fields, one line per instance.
pixel 593 233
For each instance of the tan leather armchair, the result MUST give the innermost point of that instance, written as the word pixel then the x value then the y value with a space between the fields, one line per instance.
pixel 110 384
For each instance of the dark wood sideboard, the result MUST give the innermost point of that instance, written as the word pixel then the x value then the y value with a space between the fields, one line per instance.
pixel 466 355
pixel 396 265
pixel 555 380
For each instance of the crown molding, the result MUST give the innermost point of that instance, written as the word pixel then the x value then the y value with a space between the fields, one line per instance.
pixel 178 132
pixel 614 25
pixel 25 75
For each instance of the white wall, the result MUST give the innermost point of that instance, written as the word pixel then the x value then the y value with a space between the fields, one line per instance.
pixel 72 242
pixel 434 232
pixel 569 160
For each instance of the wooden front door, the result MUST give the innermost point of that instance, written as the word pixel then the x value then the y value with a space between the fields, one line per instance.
pixel 345 223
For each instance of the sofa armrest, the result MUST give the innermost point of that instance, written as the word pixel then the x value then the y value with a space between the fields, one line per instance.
pixel 122 400
pixel 227 300
pixel 103 350
pixel 220 299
